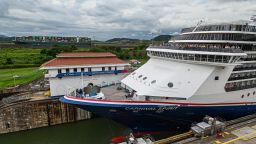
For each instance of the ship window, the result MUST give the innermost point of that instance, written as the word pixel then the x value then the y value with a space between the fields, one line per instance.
pixel 134 73
pixel 144 78
pixel 89 69
pixel 82 69
pixel 75 69
pixel 242 96
pixel 170 84
pixel 67 70
pixel 59 70
pixel 103 68
pixel 154 81
pixel 248 94
pixel 216 78
pixel 253 93
pixel 140 76
pixel 109 68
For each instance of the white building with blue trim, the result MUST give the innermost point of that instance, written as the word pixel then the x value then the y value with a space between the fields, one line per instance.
pixel 75 70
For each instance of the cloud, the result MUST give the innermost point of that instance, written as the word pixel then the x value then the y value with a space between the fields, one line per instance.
pixel 106 19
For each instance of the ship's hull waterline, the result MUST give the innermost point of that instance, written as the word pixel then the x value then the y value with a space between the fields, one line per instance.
pixel 160 116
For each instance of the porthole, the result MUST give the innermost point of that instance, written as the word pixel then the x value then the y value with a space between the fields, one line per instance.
pixel 170 84
pixel 154 81
pixel 144 78
pixel 140 76
pixel 242 96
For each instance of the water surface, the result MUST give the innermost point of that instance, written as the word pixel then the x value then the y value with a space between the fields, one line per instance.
pixel 94 131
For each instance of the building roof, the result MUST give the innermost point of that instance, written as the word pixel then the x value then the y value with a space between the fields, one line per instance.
pixel 85 54
pixel 100 59
pixel 134 60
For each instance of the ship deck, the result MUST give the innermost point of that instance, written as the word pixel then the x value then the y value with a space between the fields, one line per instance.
pixel 112 93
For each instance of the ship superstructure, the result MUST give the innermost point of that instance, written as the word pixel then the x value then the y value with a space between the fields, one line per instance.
pixel 206 70
pixel 204 64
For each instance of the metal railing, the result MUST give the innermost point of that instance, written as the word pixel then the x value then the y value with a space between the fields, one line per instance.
pixel 224 50
pixel 89 73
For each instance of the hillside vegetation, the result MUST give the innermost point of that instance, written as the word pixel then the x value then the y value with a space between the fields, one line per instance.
pixel 25 75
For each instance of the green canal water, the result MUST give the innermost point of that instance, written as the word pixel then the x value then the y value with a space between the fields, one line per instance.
pixel 94 131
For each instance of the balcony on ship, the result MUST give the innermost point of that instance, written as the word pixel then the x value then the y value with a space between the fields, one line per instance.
pixel 204 47
pixel 221 27
pixel 240 85
pixel 211 55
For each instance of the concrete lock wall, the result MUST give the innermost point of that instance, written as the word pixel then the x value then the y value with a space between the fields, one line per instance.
pixel 29 115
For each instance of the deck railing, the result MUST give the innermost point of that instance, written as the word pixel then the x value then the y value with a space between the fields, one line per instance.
pixel 225 50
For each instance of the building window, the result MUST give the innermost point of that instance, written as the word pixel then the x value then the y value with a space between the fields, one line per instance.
pixel 216 78
pixel 59 70
pixel 67 70
pixel 75 69
pixel 109 68
pixel 82 69
pixel 103 68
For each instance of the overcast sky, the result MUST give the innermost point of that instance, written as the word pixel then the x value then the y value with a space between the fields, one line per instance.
pixel 105 19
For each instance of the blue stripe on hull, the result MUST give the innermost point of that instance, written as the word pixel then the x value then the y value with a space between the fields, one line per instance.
pixel 162 118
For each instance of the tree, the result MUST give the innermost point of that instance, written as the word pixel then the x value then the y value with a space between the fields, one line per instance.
pixel 43 51
pixel 8 61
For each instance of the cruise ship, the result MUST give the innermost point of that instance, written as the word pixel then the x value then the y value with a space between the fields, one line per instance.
pixel 209 69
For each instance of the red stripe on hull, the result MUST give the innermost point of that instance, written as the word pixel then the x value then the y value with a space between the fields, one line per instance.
pixel 157 102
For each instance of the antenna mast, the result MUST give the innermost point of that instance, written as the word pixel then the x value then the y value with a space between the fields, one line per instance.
pixel 198 24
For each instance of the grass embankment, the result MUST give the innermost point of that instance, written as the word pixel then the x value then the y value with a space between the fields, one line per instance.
pixel 21 57
pixel 26 75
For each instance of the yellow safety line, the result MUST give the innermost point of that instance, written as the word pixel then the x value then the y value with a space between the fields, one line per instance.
pixel 173 137
pixel 238 138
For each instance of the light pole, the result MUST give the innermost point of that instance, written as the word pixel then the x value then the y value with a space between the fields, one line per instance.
pixel 14 79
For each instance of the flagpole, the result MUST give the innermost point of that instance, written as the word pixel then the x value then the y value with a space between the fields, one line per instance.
pixel 82 78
